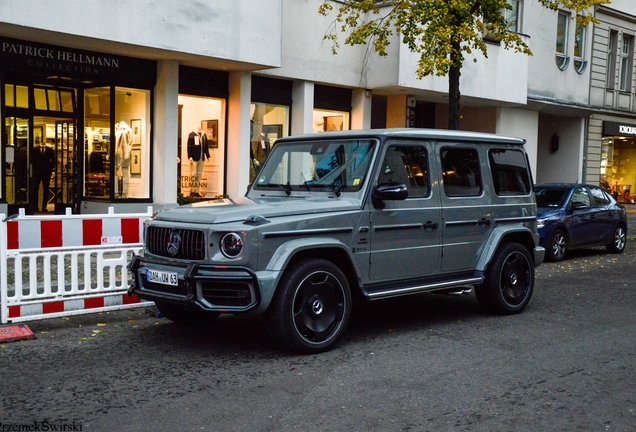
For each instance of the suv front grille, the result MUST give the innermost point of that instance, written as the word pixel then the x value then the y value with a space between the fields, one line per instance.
pixel 191 245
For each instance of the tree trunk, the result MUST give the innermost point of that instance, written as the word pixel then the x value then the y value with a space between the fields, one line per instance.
pixel 453 91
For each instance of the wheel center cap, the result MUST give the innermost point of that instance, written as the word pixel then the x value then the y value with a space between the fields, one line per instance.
pixel 513 279
pixel 316 307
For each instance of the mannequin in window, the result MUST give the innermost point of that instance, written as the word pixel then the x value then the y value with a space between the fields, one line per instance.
pixel 123 145
pixel 43 160
pixel 197 154
pixel 260 149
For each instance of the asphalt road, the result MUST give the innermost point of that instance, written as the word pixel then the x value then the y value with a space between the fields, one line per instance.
pixel 423 363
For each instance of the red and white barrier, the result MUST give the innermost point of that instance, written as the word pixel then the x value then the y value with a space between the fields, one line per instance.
pixel 53 266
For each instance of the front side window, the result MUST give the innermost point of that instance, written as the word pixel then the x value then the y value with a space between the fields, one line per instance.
pixel 580 196
pixel 460 171
pixel 600 197
pixel 510 173
pixel 579 49
pixel 321 166
pixel 627 58
pixel 407 165
pixel 562 41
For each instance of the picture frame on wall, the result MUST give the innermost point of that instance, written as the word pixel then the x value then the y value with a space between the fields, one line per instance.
pixel 135 161
pixel 211 129
pixel 135 125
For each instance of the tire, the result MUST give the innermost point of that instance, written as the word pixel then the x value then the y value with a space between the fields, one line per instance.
pixel 509 281
pixel 619 240
pixel 181 315
pixel 557 246
pixel 311 307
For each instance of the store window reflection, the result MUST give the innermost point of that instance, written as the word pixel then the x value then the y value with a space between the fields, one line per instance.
pixel 268 123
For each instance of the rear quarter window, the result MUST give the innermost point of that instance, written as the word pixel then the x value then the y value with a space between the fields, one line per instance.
pixel 510 174
pixel 461 173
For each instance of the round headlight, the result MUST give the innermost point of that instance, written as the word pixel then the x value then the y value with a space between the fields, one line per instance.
pixel 231 245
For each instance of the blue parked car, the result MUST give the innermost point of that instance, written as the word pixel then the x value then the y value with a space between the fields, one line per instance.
pixel 573 216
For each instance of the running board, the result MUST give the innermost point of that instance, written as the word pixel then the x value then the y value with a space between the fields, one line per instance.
pixel 415 289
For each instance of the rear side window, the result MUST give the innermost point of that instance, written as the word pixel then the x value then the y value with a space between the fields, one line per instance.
pixel 460 170
pixel 510 173
pixel 407 165
pixel 600 197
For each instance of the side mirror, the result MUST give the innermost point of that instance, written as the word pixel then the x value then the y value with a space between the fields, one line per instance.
pixel 388 192
pixel 578 206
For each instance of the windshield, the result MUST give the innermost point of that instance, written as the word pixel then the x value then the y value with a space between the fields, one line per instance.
pixel 337 166
pixel 550 197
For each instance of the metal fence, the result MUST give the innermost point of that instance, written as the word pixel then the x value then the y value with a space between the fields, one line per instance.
pixel 63 265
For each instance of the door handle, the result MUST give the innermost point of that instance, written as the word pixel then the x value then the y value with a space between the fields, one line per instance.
pixel 483 222
pixel 428 226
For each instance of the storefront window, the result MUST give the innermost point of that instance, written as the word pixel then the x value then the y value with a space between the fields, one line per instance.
pixel 97 142
pixel 201 153
pixel 618 167
pixel 268 123
pixel 120 163
pixel 132 143
pixel 327 121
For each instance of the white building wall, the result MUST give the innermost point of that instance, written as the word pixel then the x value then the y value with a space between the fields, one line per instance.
pixel 544 77
pixel 238 30
pixel 564 165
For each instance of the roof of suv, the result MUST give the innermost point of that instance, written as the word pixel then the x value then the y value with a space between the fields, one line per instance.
pixel 430 134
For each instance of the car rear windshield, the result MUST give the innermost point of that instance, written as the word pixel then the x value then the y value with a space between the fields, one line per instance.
pixel 338 165
pixel 550 197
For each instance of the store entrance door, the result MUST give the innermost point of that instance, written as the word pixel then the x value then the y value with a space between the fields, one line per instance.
pixel 53 165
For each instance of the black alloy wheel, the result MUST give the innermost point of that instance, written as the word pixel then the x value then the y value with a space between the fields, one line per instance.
pixel 311 308
pixel 509 281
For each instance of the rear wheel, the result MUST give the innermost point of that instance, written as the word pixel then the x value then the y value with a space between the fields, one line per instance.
pixel 509 281
pixel 619 241
pixel 557 246
pixel 185 316
pixel 311 308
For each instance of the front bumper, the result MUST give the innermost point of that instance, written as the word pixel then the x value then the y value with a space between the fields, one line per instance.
pixel 210 288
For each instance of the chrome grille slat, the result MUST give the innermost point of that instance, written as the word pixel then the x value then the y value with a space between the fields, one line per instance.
pixel 192 245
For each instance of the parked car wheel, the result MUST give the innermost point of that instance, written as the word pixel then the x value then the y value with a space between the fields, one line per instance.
pixel 620 239
pixel 509 281
pixel 558 246
pixel 180 315
pixel 311 307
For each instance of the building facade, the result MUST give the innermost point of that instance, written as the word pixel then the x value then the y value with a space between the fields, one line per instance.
pixel 158 102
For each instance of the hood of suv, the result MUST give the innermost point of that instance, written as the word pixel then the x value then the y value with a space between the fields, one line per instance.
pixel 237 210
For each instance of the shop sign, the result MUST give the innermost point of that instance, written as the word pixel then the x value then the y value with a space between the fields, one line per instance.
pixel 72 62
pixel 619 129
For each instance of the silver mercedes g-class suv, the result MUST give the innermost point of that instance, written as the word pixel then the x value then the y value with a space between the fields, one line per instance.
pixel 356 214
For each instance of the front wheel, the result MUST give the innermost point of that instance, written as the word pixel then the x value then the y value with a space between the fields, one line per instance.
pixel 557 247
pixel 311 308
pixel 619 240
pixel 509 281
pixel 181 315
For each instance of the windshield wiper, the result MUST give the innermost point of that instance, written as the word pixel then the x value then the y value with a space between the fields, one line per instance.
pixel 284 187
pixel 336 186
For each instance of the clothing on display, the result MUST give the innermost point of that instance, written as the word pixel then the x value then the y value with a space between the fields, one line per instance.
pixel 43 160
pixel 198 152
pixel 123 146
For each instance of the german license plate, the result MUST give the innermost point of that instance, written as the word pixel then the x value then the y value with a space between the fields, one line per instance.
pixel 162 277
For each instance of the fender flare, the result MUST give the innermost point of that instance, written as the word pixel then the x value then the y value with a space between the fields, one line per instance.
pixel 521 234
